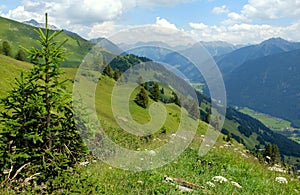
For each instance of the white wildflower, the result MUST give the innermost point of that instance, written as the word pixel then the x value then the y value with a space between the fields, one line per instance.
pixel 236 184
pixel 219 179
pixel 210 184
pixel 84 163
pixel 281 180
pixel 152 152
pixel 267 157
pixel 277 169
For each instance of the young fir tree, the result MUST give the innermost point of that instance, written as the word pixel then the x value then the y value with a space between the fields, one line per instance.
pixel 39 133
pixel 142 98
pixel 21 55
pixel 108 71
pixel 6 48
pixel 155 92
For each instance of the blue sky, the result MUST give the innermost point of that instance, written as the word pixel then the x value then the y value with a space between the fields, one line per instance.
pixel 242 21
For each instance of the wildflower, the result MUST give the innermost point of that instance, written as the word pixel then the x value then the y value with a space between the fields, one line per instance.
pixel 277 169
pixel 152 152
pixel 267 157
pixel 281 180
pixel 210 184
pixel 219 179
pixel 236 184
pixel 84 163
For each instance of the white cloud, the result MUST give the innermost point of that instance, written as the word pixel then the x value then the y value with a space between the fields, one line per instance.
pixel 152 3
pixel 161 22
pixel 198 26
pixel 221 10
pixel 271 9
pixel 104 29
pixel 244 32
pixel 20 14
pixel 86 12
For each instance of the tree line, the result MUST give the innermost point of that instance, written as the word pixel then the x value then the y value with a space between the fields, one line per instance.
pixel 6 49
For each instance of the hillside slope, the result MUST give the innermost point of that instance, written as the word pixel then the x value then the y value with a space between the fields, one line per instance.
pixel 19 34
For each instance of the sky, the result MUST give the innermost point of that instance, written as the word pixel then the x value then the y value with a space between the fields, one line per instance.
pixel 234 21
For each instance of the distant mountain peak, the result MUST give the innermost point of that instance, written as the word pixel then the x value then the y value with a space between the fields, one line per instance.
pixel 275 41
pixel 34 23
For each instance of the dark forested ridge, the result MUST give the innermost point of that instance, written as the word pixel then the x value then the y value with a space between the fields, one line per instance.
pixel 249 126
pixel 269 85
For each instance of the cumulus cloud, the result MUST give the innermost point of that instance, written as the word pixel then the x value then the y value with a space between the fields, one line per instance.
pixel 244 32
pixel 220 10
pixel 105 29
pixel 86 12
pixel 152 3
pixel 161 22
pixel 271 9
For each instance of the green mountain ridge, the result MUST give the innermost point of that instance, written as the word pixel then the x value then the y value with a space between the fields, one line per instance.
pixel 19 34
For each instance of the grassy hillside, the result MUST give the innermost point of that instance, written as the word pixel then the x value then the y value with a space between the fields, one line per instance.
pixel 230 160
pixel 18 34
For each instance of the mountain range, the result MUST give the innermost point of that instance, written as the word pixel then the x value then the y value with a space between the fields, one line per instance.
pixel 34 23
pixel 232 60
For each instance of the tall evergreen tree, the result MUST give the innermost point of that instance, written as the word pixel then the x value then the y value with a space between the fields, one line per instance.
pixel 142 98
pixel 155 92
pixel 108 71
pixel 6 48
pixel 21 55
pixel 39 129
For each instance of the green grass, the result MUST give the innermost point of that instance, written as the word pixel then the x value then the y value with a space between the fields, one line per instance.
pixel 273 123
pixel 229 163
pixel 276 124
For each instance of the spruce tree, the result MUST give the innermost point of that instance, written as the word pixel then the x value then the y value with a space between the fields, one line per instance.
pixel 39 133
pixel 21 55
pixel 6 48
pixel 155 92
pixel 142 98
pixel 108 71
